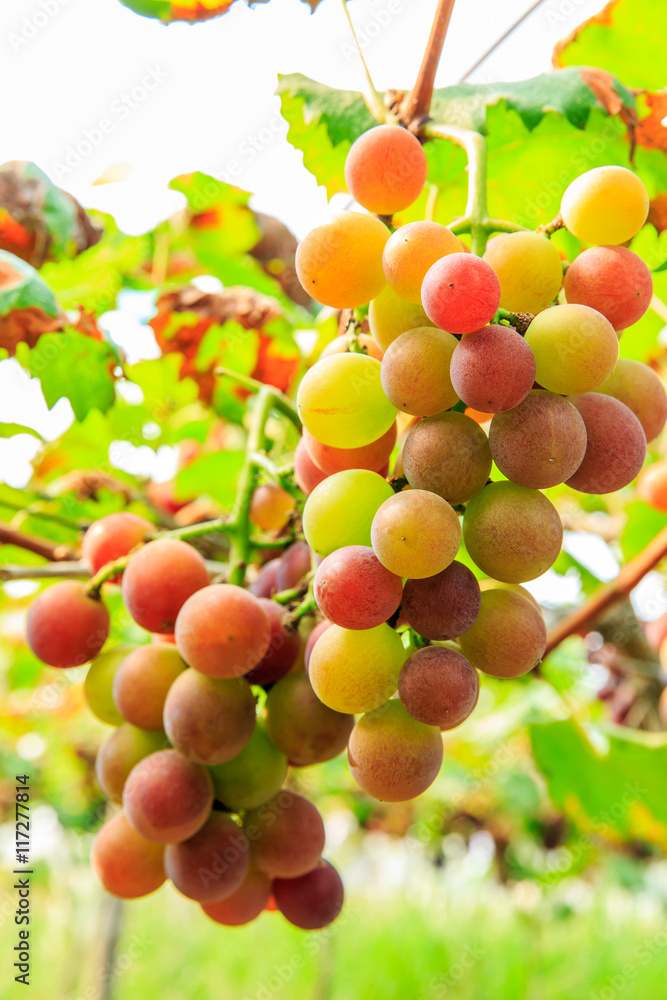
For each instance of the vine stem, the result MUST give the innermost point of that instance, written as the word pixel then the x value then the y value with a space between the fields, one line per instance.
pixel 53 551
pixel 475 220
pixel 419 101
pixel 580 620
pixel 371 96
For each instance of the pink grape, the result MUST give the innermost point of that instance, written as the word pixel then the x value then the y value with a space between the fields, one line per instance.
pixel 460 293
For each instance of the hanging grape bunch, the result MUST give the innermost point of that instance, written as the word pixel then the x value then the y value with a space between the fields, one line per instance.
pixel 213 712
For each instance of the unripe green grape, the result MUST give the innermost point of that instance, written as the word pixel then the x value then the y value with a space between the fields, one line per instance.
pixel 98 685
pixel 340 262
pixel 415 534
pixel 605 205
pixel 512 533
pixel 341 509
pixel 342 403
pixel 356 671
pixel 389 316
pixel 575 348
pixel 410 251
pixel 509 636
pixel 529 269
pixel 254 776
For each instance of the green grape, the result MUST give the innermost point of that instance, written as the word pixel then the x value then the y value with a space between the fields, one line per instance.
pixel 340 262
pixel 508 637
pixel 98 685
pixel 415 371
pixel 575 348
pixel 252 777
pixel 415 534
pixel 512 533
pixel 449 455
pixel 410 251
pixel 605 205
pixel 389 316
pixel 356 671
pixel 529 268
pixel 341 509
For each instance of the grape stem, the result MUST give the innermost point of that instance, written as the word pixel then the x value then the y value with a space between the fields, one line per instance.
pixel 419 101
pixel 579 621
pixel 371 96
pixel 53 551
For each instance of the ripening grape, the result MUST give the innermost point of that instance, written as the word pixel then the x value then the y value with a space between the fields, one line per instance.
pixel 98 685
pixel 373 456
pixel 312 639
pixel 340 263
pixel 112 537
pixel 493 369
pixel 294 565
pixel 340 510
pixel 529 269
pixel 575 348
pixel 354 671
pixel 127 865
pixel 271 507
pixel 142 681
pixel 284 647
pixel 541 442
pixel 512 533
pixel 301 726
pixel 488 584
pixel 385 169
pixel 438 687
pixel 342 403
pixel 119 753
pixel 415 371
pixel 265 583
pixel 254 776
pixel 313 900
pixel 605 205
pixel 245 904
pixel 509 636
pixel 615 446
pixel 415 534
pixel 286 835
pixel 209 721
pixel 354 590
pixel 66 627
pixel 442 606
pixel 223 631
pixel 341 345
pixel 158 580
pixel 613 280
pixel 306 473
pixel 212 864
pixel 167 798
pixel 652 485
pixel 640 388
pixel 449 455
pixel 409 253
pixel 460 293
pixel 389 316
pixel 393 756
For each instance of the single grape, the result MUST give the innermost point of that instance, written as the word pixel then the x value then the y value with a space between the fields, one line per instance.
pixel 142 681
pixel 223 631
pixel 98 685
pixel 312 639
pixel 112 537
pixel 615 445
pixel 119 753
pixel 460 293
pixel 393 756
pixel 512 533
pixel 341 345
pixel 284 647
pixel 254 776
pixel 245 904
pixel 342 403
pixel 271 507
pixel 509 636
pixel 265 583
pixel 449 455
pixel 385 169
pixel 158 580
pixel 340 263
pixel 371 456
pixel 605 205
pixel 652 485
pixel 575 348
pixel 489 584
pixel 66 627
pixel 313 900
pixel 493 369
pixel 415 534
pixel 127 865
pixel 167 798
pixel 529 269
pixel 409 253
pixel 442 606
pixel 304 729
pixel 613 280
pixel 286 835
pixel 356 671
pixel 209 721
pixel 641 389
pixel 306 473
pixel 389 316
pixel 212 864
pixel 438 687
pixel 415 371
pixel 354 590
pixel 541 442
pixel 357 492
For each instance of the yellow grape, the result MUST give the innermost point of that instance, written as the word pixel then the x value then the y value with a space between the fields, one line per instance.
pixel 415 534
pixel 410 251
pixel 340 263
pixel 415 371
pixel 341 509
pixel 529 268
pixel 575 348
pixel 606 205
pixel 389 316
pixel 356 670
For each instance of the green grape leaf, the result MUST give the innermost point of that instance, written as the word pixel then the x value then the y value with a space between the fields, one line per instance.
pixel 214 475
pixel 77 367
pixel 21 287
pixel 9 430
pixel 642 525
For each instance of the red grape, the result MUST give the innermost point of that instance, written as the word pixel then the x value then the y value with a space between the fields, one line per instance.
pixel 66 627
pixel 158 580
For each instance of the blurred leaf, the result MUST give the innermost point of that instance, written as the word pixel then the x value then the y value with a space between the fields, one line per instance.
pixel 214 475
pixel 9 430
pixel 642 525
pixel 77 367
